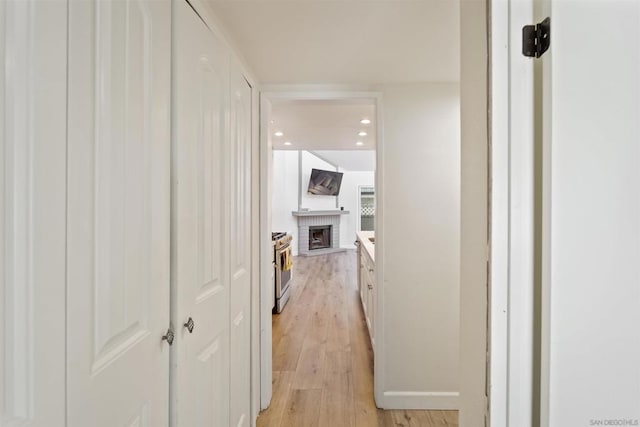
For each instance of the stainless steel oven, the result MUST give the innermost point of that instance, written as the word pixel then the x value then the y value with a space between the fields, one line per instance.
pixel 283 260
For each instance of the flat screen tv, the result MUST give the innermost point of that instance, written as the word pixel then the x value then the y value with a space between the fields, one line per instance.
pixel 324 183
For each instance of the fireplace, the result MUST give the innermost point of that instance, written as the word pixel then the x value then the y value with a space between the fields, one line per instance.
pixel 319 237
pixel 318 232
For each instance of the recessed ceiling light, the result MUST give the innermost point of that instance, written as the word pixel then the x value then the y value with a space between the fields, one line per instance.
pixel 365 121
pixel 362 133
pixel 278 133
pixel 287 143
pixel 359 143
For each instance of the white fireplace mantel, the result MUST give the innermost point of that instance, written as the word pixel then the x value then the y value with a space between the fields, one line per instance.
pixel 319 213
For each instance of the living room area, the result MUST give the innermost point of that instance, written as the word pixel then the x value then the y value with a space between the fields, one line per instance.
pixel 323 223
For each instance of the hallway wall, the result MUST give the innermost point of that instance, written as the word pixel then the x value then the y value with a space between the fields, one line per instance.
pixel 474 248
pixel 421 244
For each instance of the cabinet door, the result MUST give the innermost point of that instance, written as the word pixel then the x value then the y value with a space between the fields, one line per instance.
pixel 361 284
pixel 364 291
pixel 200 273
pixel 372 305
pixel 118 213
pixel 369 297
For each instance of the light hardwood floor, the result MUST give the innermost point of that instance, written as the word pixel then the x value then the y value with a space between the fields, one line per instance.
pixel 322 357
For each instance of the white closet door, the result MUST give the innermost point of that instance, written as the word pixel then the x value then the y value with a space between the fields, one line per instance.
pixel 592 214
pixel 240 248
pixel 33 38
pixel 200 282
pixel 118 213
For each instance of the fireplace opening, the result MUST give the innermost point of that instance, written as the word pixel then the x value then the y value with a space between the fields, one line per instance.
pixel 319 237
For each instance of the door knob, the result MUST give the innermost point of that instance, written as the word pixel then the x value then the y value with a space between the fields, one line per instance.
pixel 189 325
pixel 168 337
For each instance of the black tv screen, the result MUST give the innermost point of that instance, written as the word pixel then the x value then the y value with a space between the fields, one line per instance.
pixel 324 183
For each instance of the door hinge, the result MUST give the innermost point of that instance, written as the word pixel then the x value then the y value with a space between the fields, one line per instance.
pixel 536 39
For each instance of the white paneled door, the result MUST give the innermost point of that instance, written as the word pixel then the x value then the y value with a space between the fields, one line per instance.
pixel 118 206
pixel 240 248
pixel 33 75
pixel 591 241
pixel 200 263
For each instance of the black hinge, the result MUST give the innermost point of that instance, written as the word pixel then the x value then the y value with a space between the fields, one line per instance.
pixel 536 39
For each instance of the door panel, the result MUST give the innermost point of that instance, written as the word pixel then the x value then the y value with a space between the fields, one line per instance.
pixel 240 248
pixel 118 213
pixel 592 213
pixel 33 93
pixel 200 283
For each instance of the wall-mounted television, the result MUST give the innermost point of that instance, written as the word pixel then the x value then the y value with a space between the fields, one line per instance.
pixel 324 183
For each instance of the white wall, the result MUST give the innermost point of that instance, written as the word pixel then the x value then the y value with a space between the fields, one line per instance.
pixel 349 199
pixel 314 201
pixel 285 194
pixel 352 160
pixel 421 240
pixel 473 255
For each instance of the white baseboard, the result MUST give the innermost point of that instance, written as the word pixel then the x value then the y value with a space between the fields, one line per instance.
pixel 443 400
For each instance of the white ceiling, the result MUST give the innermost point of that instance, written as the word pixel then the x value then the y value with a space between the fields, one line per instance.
pixel 345 41
pixel 355 161
pixel 322 125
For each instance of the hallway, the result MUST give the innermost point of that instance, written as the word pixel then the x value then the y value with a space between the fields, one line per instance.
pixel 322 357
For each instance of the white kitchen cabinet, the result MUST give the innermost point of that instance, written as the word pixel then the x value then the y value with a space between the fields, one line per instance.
pixel 370 295
pixel 367 281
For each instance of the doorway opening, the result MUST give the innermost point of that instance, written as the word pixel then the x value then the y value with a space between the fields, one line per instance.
pixel 318 150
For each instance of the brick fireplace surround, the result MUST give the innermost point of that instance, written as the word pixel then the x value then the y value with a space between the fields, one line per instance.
pixel 315 220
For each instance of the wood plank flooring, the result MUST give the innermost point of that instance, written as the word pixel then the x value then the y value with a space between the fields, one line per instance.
pixel 322 357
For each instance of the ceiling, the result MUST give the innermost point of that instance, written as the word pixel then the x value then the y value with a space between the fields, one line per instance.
pixel 356 161
pixel 315 125
pixel 345 41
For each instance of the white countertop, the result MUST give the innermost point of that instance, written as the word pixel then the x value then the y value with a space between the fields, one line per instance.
pixel 366 244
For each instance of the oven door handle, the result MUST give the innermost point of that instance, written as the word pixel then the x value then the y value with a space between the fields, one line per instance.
pixel 284 258
pixel 282 249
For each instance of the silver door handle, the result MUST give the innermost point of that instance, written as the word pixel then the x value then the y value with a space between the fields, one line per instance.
pixel 168 337
pixel 189 325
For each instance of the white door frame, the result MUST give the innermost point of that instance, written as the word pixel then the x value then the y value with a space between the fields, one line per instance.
pixel 266 176
pixel 512 216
